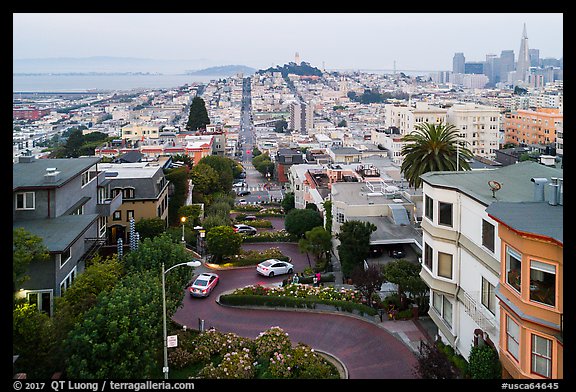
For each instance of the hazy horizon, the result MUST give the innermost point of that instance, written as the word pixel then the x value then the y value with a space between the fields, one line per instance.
pixel 379 41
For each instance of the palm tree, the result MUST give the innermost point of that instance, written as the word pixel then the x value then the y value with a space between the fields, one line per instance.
pixel 432 147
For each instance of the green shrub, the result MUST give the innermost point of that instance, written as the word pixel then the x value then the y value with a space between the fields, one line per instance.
pixel 484 363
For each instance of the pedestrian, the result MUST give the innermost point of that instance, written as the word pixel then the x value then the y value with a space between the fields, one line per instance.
pixel 318 276
pixel 295 279
pixel 315 281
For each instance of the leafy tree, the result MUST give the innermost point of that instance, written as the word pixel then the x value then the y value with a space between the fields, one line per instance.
pixel 263 164
pixel 32 341
pixel 121 337
pixel 406 275
pixel 198 116
pixel 367 281
pixel 484 363
pixel 192 214
pixel 299 221
pixel 178 177
pixel 327 204
pixel 318 242
pixel 354 245
pixel 222 241
pixel 433 364
pixel 255 152
pixel 432 147
pixel 150 227
pixel 223 166
pixel 26 248
pixel 183 158
pixel 216 220
pixel 288 202
pixel 205 179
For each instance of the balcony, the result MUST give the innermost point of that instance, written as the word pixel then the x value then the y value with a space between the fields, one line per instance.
pixel 108 206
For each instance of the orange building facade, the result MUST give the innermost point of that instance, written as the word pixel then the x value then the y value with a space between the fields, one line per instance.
pixel 531 304
pixel 532 127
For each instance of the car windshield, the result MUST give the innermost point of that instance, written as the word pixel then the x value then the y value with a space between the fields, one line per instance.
pixel 266 263
pixel 201 282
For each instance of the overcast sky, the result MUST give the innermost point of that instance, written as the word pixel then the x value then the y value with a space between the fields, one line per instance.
pixel 416 41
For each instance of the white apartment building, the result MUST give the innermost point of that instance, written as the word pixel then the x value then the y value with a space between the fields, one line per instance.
pixel 405 118
pixel 478 126
pixel 461 248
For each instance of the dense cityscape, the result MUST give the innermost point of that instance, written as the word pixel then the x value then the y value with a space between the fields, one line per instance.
pixel 439 196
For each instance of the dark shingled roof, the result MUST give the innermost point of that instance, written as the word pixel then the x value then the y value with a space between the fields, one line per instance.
pixel 539 218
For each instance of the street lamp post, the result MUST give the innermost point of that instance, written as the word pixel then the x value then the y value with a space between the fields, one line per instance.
pixel 189 264
pixel 183 220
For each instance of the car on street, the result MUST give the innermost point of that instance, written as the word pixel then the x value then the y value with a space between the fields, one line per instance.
pixel 272 267
pixel 244 229
pixel 243 193
pixel 204 284
pixel 239 184
pixel 250 217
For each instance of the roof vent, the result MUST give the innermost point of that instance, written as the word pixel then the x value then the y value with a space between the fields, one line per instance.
pixel 539 184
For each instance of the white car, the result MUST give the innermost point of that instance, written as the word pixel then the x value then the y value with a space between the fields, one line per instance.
pixel 272 267
pixel 244 229
pixel 239 184
pixel 204 284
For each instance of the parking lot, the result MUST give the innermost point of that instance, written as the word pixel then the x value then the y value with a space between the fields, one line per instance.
pixel 383 256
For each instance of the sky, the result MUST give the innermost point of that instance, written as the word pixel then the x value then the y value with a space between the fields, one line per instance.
pixel 408 41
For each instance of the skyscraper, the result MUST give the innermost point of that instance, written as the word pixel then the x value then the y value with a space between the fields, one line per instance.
pixel 523 66
pixel 506 64
pixel 458 63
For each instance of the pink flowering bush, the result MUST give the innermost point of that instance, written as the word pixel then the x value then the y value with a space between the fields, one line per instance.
pixel 234 365
pixel 272 340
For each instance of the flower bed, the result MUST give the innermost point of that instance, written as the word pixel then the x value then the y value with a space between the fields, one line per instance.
pixel 216 355
pixel 297 295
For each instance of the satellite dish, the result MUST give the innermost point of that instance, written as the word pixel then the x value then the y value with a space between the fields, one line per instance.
pixel 494 186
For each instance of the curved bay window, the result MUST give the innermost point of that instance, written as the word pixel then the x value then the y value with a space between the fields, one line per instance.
pixel 542 282
pixel 513 268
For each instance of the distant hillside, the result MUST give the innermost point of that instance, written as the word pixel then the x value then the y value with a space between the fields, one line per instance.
pixel 224 70
pixel 292 68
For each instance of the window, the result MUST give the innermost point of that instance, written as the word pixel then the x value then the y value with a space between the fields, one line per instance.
pixel 25 201
pixel 437 302
pixel 445 265
pixel 42 300
pixel 445 214
pixel 129 215
pixel 102 226
pixel 115 191
pixel 65 256
pixel 447 311
pixel 128 193
pixel 513 268
pixel 429 208
pixel 428 256
pixel 117 215
pixel 542 282
pixel 488 235
pixel 512 337
pixel 488 296
pixel 541 356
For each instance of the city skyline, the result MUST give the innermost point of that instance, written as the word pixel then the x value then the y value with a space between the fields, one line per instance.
pixel 380 41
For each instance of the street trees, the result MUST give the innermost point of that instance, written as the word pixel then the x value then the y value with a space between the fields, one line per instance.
pixel 367 281
pixel 223 241
pixel 26 248
pixel 354 245
pixel 318 242
pixel 299 221
pixel 406 276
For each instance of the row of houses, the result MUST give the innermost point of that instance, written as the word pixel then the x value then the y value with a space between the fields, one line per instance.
pixel 490 242
pixel 80 206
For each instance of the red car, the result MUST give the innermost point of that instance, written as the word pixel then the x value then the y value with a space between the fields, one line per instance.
pixel 204 284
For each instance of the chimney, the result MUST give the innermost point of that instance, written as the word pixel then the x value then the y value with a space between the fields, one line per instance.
pixel 539 184
pixel 51 175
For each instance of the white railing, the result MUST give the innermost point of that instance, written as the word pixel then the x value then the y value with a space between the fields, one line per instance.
pixel 471 307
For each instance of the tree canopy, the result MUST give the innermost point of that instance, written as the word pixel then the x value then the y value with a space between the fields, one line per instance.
pixel 354 245
pixel 299 221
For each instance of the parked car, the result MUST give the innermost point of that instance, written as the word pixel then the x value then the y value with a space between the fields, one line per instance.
pixel 243 193
pixel 397 252
pixel 245 229
pixel 204 284
pixel 272 267
pixel 242 202
pixel 250 217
